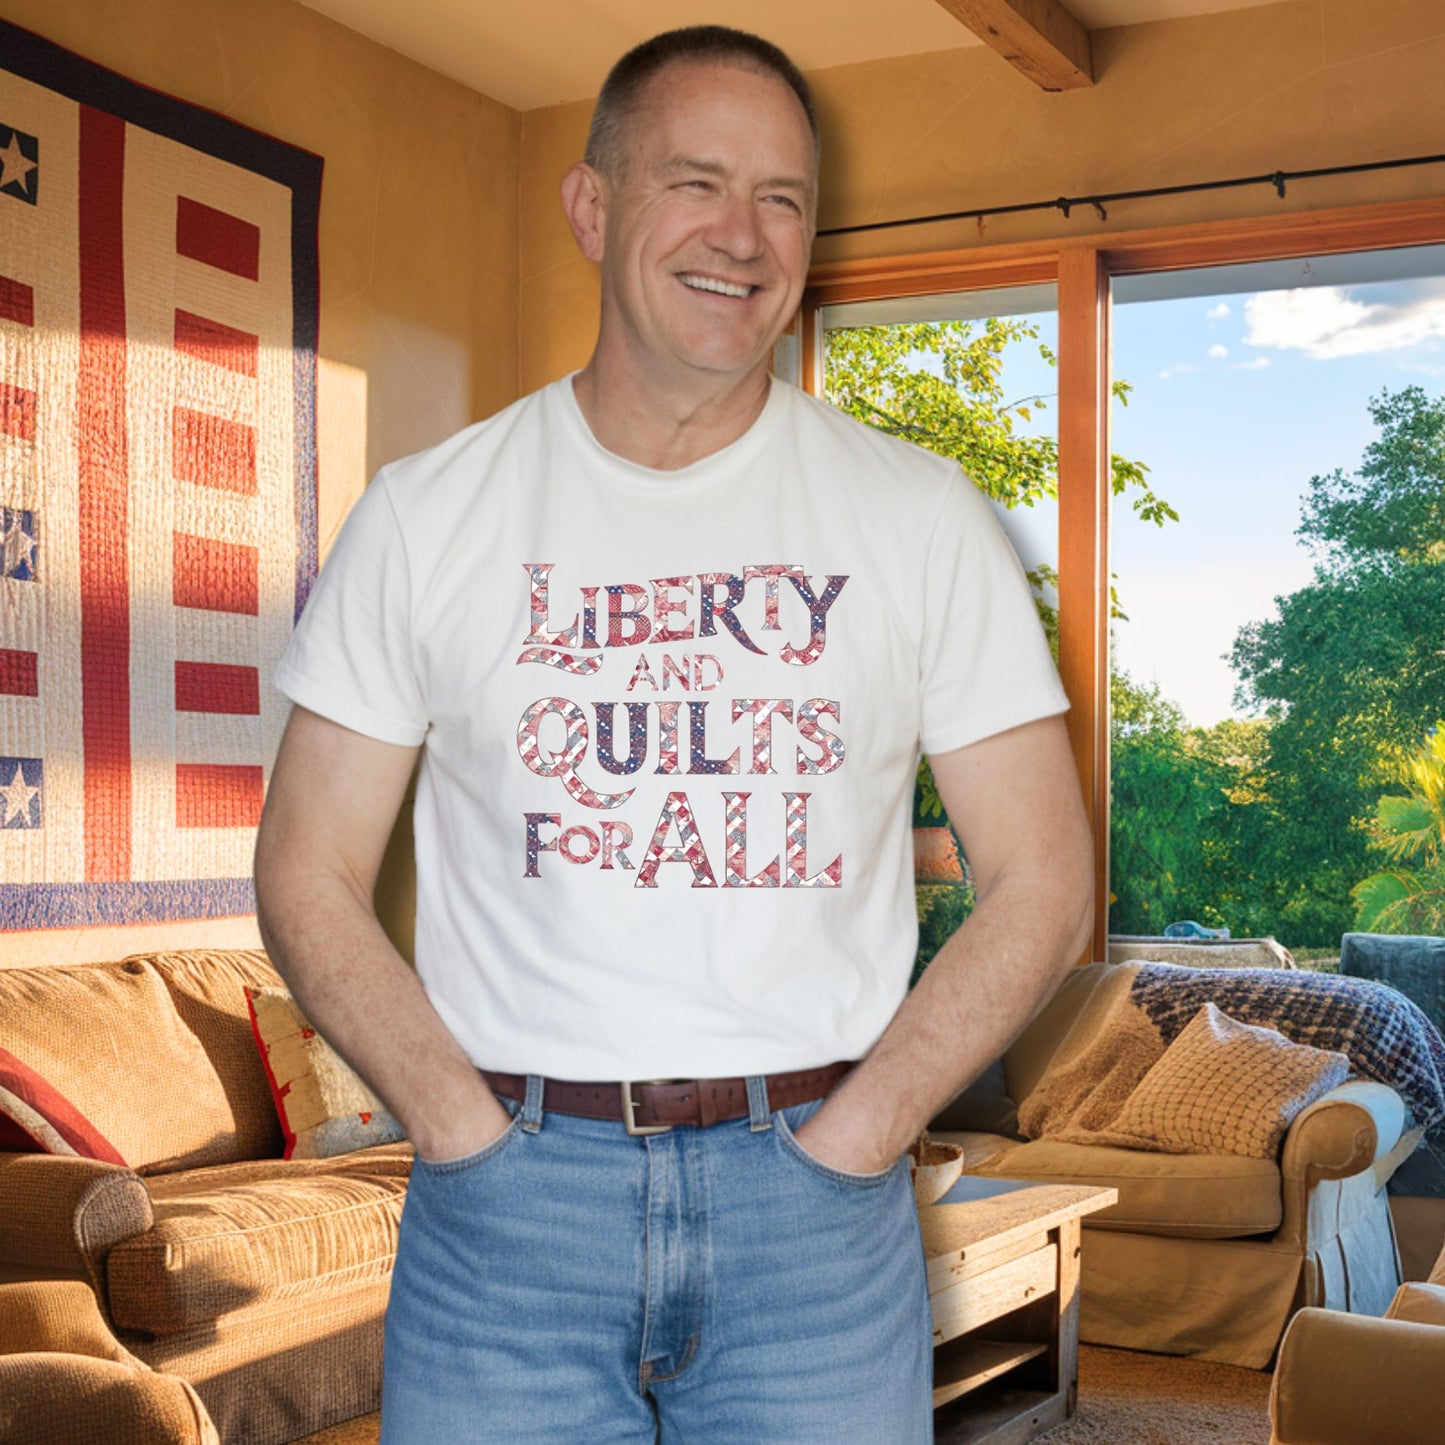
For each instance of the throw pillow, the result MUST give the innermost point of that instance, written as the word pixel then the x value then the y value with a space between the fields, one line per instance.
pixel 36 1118
pixel 1223 1087
pixel 324 1107
pixel 983 1108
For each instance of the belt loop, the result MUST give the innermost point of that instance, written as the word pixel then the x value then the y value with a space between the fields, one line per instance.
pixel 532 1105
pixel 760 1116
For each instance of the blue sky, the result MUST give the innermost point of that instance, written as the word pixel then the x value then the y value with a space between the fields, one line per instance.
pixel 1240 396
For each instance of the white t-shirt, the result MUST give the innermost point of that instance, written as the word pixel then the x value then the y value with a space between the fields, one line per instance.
pixel 670 724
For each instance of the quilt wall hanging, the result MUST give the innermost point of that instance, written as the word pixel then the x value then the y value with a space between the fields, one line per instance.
pixel 158 311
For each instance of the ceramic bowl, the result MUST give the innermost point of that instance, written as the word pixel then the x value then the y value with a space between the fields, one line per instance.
pixel 936 1168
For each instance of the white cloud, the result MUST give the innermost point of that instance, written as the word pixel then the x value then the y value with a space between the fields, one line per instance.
pixel 1327 321
pixel 1255 363
pixel 1177 370
pixel 1219 352
pixel 1218 313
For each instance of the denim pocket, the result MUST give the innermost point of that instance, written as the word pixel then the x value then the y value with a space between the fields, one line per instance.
pixel 474 1160
pixel 801 1113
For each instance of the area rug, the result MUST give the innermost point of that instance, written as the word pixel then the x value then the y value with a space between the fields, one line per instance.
pixel 158 313
pixel 1125 1398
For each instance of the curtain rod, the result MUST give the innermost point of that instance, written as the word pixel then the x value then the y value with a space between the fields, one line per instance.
pixel 1279 179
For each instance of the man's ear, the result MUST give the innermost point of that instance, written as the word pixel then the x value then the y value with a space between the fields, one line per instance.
pixel 584 199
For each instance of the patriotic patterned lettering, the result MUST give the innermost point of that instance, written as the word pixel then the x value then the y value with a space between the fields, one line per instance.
pixel 627 625
pixel 663 610
pixel 698 760
pixel 817 618
pixel 762 710
pixel 797 848
pixel 676 812
pixel 562 764
pixel 735 873
pixel 708 582
pixel 810 728
pixel 636 737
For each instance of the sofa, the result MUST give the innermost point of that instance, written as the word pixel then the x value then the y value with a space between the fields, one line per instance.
pixel 259 1281
pixel 1206 1255
pixel 1350 1380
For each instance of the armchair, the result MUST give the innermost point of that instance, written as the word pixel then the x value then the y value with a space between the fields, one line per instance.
pixel 1210 1255
pixel 1349 1380
pixel 65 1380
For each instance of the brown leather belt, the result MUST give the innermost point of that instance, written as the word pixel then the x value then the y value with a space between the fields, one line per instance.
pixel 651 1106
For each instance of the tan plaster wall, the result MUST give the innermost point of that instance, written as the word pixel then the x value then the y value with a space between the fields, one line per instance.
pixel 418 263
pixel 1291 86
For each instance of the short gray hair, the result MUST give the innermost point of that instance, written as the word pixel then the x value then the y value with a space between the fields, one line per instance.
pixel 699 44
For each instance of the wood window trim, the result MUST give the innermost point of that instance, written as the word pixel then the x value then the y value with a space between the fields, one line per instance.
pixel 1082 267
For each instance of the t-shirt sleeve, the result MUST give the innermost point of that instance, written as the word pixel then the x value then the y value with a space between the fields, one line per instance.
pixel 351 657
pixel 986 665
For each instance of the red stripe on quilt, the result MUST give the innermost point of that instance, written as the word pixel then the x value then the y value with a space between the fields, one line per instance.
pixel 17 302
pixel 19 676
pixel 17 411
pixel 216 343
pixel 213 452
pixel 217 238
pixel 215 576
pixel 104 520
pixel 218 687
pixel 214 795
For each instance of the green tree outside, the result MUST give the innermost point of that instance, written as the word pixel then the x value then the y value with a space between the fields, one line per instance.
pixel 1350 673
pixel 1409 895
pixel 1263 825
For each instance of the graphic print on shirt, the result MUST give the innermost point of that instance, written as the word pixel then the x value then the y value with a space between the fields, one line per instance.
pixel 637 730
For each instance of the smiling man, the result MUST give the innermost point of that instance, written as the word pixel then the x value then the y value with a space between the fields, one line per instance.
pixel 668 637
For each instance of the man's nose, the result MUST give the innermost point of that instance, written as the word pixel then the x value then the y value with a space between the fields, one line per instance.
pixel 735 229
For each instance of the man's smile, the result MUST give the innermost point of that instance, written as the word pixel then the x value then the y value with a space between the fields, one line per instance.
pixel 713 283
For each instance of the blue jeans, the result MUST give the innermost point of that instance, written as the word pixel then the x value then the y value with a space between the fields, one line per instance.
pixel 573 1285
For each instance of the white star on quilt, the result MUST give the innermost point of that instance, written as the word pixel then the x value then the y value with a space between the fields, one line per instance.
pixel 15 799
pixel 17 548
pixel 15 165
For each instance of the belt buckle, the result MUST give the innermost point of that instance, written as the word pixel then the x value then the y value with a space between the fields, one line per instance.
pixel 629 1108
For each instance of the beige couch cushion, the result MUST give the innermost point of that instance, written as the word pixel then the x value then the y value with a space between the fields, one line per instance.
pixel 1225 1087
pixel 108 1036
pixel 1027 1059
pixel 242 1234
pixel 208 987
pixel 1193 1196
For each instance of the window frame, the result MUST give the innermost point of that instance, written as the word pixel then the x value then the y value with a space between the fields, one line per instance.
pixel 1082 268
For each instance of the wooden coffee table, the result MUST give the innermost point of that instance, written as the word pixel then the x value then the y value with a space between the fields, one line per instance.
pixel 1003 1278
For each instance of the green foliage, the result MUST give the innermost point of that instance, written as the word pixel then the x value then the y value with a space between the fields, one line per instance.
pixel 1169 828
pixel 1391 514
pixel 942 907
pixel 1410 831
pixel 1351 671
pixel 927 805
pixel 958 407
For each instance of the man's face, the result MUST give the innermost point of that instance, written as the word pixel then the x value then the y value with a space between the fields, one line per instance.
pixel 709 225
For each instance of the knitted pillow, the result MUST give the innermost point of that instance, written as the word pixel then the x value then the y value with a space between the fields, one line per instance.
pixel 324 1108
pixel 36 1118
pixel 1223 1087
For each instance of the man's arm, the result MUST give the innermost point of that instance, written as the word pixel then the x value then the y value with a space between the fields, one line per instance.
pixel 1015 801
pixel 333 799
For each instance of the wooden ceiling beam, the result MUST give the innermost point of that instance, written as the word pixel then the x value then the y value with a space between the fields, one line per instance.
pixel 1037 37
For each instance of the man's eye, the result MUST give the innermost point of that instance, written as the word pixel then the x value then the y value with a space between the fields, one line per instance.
pixel 787 202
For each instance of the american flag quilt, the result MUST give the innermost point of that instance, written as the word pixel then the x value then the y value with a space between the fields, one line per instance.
pixel 158 312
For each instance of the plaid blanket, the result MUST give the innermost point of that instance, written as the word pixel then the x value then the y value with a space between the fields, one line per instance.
pixel 1386 1037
